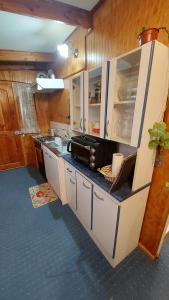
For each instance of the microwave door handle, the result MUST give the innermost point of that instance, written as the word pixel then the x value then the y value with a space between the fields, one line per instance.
pixel 68 146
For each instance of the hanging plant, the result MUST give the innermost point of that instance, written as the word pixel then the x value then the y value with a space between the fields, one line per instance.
pixel 159 139
pixel 159 136
pixel 150 34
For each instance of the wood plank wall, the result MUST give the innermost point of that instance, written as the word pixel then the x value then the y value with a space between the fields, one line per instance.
pixel 116 26
pixel 41 101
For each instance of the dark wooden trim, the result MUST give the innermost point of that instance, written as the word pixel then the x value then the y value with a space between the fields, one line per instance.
pixel 97 6
pixel 52 9
pixel 18 56
pixel 18 66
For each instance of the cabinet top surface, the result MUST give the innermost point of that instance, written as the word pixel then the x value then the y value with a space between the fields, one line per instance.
pixel 120 195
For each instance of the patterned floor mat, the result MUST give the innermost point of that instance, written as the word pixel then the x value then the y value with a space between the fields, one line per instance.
pixel 42 194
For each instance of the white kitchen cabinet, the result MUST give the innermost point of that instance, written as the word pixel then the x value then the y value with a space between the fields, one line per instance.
pixel 84 199
pixel 132 76
pixel 52 170
pixel 127 90
pixel 95 92
pixel 70 188
pixel 76 102
pixel 104 225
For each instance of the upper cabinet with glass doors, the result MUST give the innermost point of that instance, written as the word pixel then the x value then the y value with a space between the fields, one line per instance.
pixel 129 75
pixel 95 91
pixel 76 102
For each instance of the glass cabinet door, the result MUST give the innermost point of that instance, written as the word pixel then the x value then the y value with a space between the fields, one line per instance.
pixel 95 98
pixel 76 103
pixel 127 88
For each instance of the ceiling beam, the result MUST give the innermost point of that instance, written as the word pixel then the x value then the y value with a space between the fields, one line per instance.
pixel 49 9
pixel 24 56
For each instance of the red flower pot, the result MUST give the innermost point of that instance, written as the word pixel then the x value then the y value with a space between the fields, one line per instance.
pixel 148 35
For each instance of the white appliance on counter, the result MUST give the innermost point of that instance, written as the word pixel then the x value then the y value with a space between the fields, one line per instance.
pixel 54 166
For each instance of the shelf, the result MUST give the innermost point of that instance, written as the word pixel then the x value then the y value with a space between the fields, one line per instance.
pixel 94 104
pixel 95 134
pixel 124 102
pixel 121 140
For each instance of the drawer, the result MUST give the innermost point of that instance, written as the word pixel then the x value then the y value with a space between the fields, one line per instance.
pixel 70 169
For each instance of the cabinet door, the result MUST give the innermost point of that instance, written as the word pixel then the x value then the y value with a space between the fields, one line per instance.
pixel 95 91
pixel 47 164
pixel 76 102
pixel 52 170
pixel 129 75
pixel 71 190
pixel 84 199
pixel 104 220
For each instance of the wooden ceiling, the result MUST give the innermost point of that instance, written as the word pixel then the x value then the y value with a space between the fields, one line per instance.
pixel 52 9
pixel 47 9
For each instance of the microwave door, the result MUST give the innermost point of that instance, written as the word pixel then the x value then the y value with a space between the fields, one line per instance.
pixel 81 152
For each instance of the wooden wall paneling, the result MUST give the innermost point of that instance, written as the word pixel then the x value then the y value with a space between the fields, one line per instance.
pixel 26 150
pixel 52 9
pixel 25 76
pixel 157 210
pixel 42 109
pixel 66 67
pixel 29 150
pixel 59 106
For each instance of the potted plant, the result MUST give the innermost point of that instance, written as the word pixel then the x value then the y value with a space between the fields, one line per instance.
pixel 150 34
pixel 159 139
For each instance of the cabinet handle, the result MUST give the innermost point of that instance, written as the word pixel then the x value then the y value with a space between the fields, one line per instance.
pixel 98 197
pixel 107 125
pixel 71 181
pixel 87 187
pixel 81 123
pixel 69 170
pixel 84 124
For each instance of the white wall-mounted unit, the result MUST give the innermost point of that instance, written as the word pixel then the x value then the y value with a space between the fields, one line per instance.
pixel 76 102
pixel 95 94
pixel 47 85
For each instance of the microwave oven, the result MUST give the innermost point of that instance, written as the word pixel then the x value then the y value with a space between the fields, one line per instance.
pixel 92 151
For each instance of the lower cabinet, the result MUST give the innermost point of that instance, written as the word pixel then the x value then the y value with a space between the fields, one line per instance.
pixel 84 199
pixel 114 227
pixel 105 214
pixel 71 189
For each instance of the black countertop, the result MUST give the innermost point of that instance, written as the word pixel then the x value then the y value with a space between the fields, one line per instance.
pixel 120 195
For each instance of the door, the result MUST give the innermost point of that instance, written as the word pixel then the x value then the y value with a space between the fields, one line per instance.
pixel 76 102
pixel 104 220
pixel 11 153
pixel 52 170
pixel 127 94
pixel 95 91
pixel 71 189
pixel 84 199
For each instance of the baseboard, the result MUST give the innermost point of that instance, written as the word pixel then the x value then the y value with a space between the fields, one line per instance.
pixel 147 252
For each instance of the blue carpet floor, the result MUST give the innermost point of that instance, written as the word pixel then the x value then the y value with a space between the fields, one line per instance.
pixel 45 254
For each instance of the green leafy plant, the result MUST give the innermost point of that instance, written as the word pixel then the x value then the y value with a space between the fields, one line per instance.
pixel 159 136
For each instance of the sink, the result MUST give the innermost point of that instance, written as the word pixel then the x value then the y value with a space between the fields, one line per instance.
pixel 52 144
